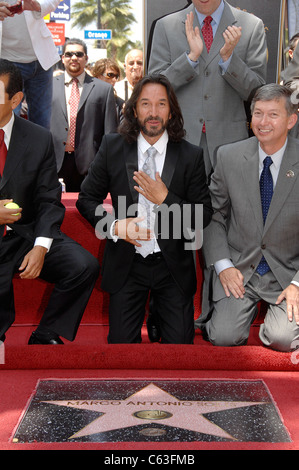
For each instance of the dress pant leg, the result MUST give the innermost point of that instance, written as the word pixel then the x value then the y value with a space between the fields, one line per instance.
pixel 7 305
pixel 174 309
pixel 69 173
pixel 73 271
pixel 230 320
pixel 277 332
pixel 127 306
pixel 12 251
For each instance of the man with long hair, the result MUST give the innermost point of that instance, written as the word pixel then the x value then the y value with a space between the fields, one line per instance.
pixel 155 258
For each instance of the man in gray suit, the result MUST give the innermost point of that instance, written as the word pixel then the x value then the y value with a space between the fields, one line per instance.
pixel 211 87
pixel 255 255
pixel 94 116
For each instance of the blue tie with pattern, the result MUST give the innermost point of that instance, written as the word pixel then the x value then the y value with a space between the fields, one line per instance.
pixel 266 187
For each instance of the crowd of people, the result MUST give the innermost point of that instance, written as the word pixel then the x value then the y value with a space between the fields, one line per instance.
pixel 185 170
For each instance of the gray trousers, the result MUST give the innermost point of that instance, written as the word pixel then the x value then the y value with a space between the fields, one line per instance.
pixel 231 318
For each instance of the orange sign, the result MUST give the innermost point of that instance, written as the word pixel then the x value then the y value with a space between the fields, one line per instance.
pixel 58 33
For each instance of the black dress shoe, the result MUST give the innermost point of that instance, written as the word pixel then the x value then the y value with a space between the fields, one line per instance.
pixel 153 329
pixel 37 338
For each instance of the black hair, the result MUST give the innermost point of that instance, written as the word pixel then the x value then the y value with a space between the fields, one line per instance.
pixel 15 82
pixel 71 41
pixel 130 128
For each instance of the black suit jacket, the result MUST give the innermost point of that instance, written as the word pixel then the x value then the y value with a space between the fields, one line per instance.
pixel 112 172
pixel 96 116
pixel 30 179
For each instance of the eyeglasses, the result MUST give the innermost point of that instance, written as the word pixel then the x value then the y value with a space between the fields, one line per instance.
pixel 110 75
pixel 77 54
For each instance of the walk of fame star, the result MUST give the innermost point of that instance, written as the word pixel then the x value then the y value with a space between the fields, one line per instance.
pixel 115 411
pixel 152 404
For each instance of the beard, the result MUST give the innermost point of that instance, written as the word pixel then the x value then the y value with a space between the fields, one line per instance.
pixel 152 131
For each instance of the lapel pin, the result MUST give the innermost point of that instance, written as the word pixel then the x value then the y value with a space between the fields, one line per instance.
pixel 290 174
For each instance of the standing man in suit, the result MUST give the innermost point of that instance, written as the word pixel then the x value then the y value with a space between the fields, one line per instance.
pixel 212 77
pixel 26 41
pixel 138 259
pixel 252 241
pixel 83 110
pixel 31 242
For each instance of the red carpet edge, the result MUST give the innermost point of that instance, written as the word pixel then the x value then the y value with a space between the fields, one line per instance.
pixel 148 356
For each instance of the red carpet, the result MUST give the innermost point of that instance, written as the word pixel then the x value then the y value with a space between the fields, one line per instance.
pixel 91 351
pixel 16 387
pixel 90 356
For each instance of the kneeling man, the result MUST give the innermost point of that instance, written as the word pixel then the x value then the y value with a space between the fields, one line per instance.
pixel 253 239
pixel 148 166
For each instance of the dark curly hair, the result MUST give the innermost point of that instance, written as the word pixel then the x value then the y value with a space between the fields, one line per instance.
pixel 15 82
pixel 130 129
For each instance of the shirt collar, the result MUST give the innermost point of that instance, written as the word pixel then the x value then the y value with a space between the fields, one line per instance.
pixel 160 145
pixel 8 129
pixel 216 15
pixel 68 78
pixel 276 157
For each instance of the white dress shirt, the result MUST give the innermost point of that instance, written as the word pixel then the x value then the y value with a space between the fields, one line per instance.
pixel 142 147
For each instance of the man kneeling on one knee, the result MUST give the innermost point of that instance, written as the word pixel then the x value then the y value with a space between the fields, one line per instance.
pixel 252 240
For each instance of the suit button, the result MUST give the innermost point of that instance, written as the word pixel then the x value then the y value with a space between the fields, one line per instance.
pixel 252 266
pixel 206 97
pixel 263 247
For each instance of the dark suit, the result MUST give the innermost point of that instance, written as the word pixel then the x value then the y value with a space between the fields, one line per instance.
pixel 30 179
pixel 96 116
pixel 112 171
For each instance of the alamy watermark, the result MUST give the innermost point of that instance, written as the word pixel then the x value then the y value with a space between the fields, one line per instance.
pixel 175 221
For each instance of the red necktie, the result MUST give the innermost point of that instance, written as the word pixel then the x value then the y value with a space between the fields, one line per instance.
pixel 74 103
pixel 207 32
pixel 3 152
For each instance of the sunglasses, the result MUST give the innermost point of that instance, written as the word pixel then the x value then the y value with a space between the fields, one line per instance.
pixel 111 75
pixel 77 54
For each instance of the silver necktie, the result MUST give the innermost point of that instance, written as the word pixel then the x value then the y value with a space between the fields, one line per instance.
pixel 145 205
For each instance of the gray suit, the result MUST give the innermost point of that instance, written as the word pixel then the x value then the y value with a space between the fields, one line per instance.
pixel 204 93
pixel 237 232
